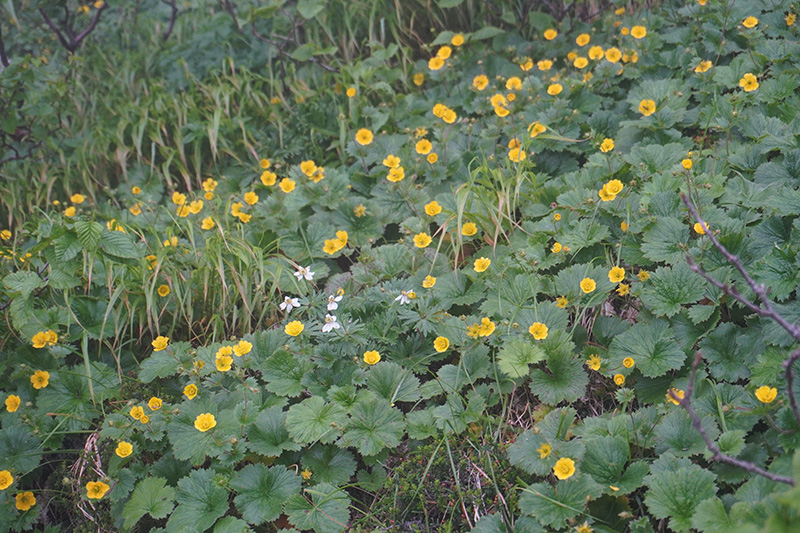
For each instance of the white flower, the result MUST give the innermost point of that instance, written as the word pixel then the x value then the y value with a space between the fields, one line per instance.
pixel 330 324
pixel 406 297
pixel 332 302
pixel 304 272
pixel 289 303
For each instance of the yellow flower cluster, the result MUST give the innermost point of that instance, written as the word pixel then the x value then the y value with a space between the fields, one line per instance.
pixel 44 338
pixel 610 190
pixel 483 329
pixel 334 245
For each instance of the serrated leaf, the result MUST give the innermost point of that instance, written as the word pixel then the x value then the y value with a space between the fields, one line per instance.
pixel 159 365
pixel 323 509
pixel 310 8
pixel 262 492
pixel 283 373
pixel 392 382
pixel 201 501
pixel 19 449
pixel 552 505
pixel 373 427
pixel 564 380
pixel 660 242
pixel 231 524
pixel 152 497
pixel 268 434
pixel 675 494
pixel 24 282
pixel 119 245
pixel 516 356
pixel 727 358
pixel 711 517
pixel 651 345
pixel 88 233
pixel 330 464
pixel 671 287
pixel 313 420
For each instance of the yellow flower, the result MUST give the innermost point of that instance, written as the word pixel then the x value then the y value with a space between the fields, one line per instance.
pixel 623 289
pixel 268 178
pixel 557 247
pixel 12 403
pixel 613 55
pixel 514 83
pixel 183 211
pixel 124 449
pixel 638 32
pixel 70 211
pixel 439 109
pixel 469 229
pixel 473 330
pixel 580 62
pixel 457 40
pixel 136 210
pixel 790 18
pixel 538 330
pixel 40 379
pixel 136 412
pixel 703 66
pixel 444 52
pixel 251 198
pixel 699 229
pixel 160 343
pixel 607 145
pixel 242 348
pixel 190 391
pixel 308 167
pixel 766 394
pixel 535 128
pixel 433 208
pixel 481 264
pixel 44 338
pixel 25 500
pixel 422 240
pixel 544 65
pixel 748 82
pixel 677 392
pixel 596 52
pixel 6 479
pixel 264 163
pixel 441 344
pixel 205 422
pixel 526 65
pixel 628 362
pixel 306 474
pixel 486 327
pixel 364 137
pixel 562 302
pixel 391 161
pixel 623 226
pixel 557 217
pixel 588 285
pixel 396 174
pixel 619 379
pixel 687 164
pixel 594 362
pixel 516 155
pixel 643 275
pixel 210 184
pixel 432 158
pixel 371 357
pixel 480 82
pixel 178 198
pixel 332 246
pixel 154 403
pixel 294 328
pixel 619 11
pixel 423 146
pixel 286 185
pixel 544 450
pixel 77 198
pixel 429 282
pixel 750 22
pixel 207 224
pixel 418 79
pixel 564 468
pixel 616 274
pixel 550 34
pixel 163 290
pixel 351 92
pixel 449 116
pixel 96 490
pixel 136 190
pixel 554 89
pixel 501 111
pixel 582 39
pixel 647 107
pixel 172 241
pixel 435 63
pixel 224 362
pixel 584 528
pixel 360 210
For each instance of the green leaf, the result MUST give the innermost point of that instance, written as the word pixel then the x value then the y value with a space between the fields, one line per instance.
pixel 676 434
pixel 158 365
pixel 330 464
pixel 444 4
pixel 310 8
pixel 119 245
pixel 660 242
pixel 89 233
pixel 262 492
pixel 552 505
pixel 19 449
pixel 675 494
pixel 671 287
pixel 24 282
pixel 373 427
pixel 711 517
pixel 231 524
pixel 565 378
pixel 152 497
pixel 283 373
pixel 651 345
pixel 323 510
pixel 655 158
pixel 516 356
pixel 313 420
pixel 201 501
pixel 392 382
pixel 727 358
pixel 268 434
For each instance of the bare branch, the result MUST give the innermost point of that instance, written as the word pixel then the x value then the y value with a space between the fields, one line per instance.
pixel 63 40
pixel 173 16
pixel 4 62
pixel 789 373
pixel 686 403
pixel 73 42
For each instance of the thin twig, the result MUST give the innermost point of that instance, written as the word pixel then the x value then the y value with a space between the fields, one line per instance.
pixel 4 62
pixel 73 42
pixel 789 373
pixel 686 403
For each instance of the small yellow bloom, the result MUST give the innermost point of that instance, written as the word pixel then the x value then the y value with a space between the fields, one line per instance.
pixel 613 55
pixel 514 83
pixel 750 22
pixel 391 161
pixel 526 65
pixel 584 528
pixel 242 348
pixel 287 185
pixel 172 241
pixel 96 490
pixel 748 82
pixel 6 479
pixel 136 190
pixel 449 116
pixel 441 344
pixel 207 223
pixel 264 163
pixel 178 198
pixel 557 247
pixel 538 330
pixel 607 145
pixel 554 89
pixel 268 178
pixel 481 264
pixel 351 92
pixel 687 164
pixel 623 289
pixel 224 362
pixel 24 501
pixel 70 211
pixel 40 379
pixel 616 274
pixel 582 39
pixel 623 226
pixel 12 403
pixel 501 111
pixel 457 39
pixel 638 32
pixel 423 146
pixel 619 379
pixel 486 327
pixel 444 52
pixel 596 52
pixel 433 208
pixel 396 174
pixel 371 357
pixel 588 285
pixel 516 155
pixel 124 449
pixel 435 63
pixel 418 79
pixel 535 129
pixel 154 403
pixel 677 392
pixel 429 282
pixel 594 362
pixel 360 210
pixel 643 275
pixel 550 34
pixel 306 474
pixel 480 82
pixel 562 302
pixel 564 468
pixel 580 62
pixel 699 229
pixel 628 362
pixel 160 343
pixel 544 450
pixel 469 229
pixel 163 290
pixel 204 422
pixel 251 198
pixel 647 107
pixel 703 66
pixel 619 11
pixel 136 412
pixel 790 18
pixel 766 394
pixel 364 137
pixel 294 328
pixel 422 240
pixel 432 158
pixel 77 198
pixel 190 391
pixel 308 167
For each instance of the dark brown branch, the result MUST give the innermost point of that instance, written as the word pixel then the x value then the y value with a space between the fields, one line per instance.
pixel 63 40
pixel 229 8
pixel 172 17
pixel 4 62
pixel 789 373
pixel 73 42
pixel 686 403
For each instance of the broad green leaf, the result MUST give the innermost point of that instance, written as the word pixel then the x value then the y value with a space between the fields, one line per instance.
pixel 323 509
pixel 552 505
pixel 330 464
pixel 563 378
pixel 268 434
pixel 373 426
pixel 262 491
pixel 671 287
pixel 24 282
pixel 392 382
pixel 19 449
pixel 119 245
pixel 283 373
pixel 313 420
pixel 89 233
pixel 676 434
pixel 310 8
pixel 231 524
pixel 152 496
pixel 159 365
pixel 651 345
pixel 201 501
pixel 516 356
pixel 711 517
pixel 675 494
pixel 727 358
pixel 661 242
